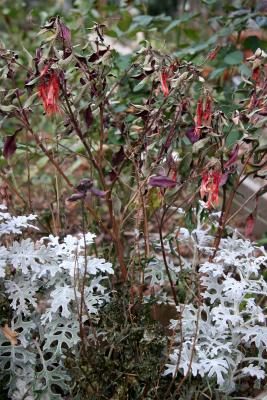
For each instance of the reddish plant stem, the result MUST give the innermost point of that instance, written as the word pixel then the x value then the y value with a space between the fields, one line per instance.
pixel 26 122
pixel 115 228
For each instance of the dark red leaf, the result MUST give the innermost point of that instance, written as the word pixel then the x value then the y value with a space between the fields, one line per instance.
pixel 84 185
pixel 161 181
pixel 88 116
pixel 223 179
pixel 10 146
pixel 112 175
pixel 139 77
pixel 95 56
pixel 118 157
pixel 191 134
pixel 82 61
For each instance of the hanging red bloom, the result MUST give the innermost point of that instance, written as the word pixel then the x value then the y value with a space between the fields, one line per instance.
pixel 198 118
pixel 49 91
pixel 164 84
pixel 210 187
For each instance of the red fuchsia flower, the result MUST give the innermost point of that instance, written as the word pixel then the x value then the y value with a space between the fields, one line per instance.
pixel 210 187
pixel 164 84
pixel 198 118
pixel 49 91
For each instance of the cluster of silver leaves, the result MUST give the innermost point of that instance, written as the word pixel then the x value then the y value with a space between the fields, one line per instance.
pixel 41 279
pixel 223 337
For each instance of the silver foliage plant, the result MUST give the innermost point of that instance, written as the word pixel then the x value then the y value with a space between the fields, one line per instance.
pixel 223 337
pixel 42 281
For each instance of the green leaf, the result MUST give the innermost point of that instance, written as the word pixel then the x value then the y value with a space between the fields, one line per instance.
pixel 193 34
pixel 200 144
pixel 29 57
pixel 252 43
pixel 30 100
pixel 178 22
pixel 143 20
pixel 234 58
pixel 232 138
pixel 125 22
pixel 244 70
pixel 216 73
pixel 33 81
pixel 185 165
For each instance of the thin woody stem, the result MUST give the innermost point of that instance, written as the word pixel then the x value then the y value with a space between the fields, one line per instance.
pixel 40 144
pixel 115 229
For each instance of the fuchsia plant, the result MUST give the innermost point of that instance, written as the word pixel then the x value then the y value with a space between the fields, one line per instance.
pixel 152 139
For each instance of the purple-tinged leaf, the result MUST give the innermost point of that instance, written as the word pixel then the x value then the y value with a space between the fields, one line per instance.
pixel 97 192
pixel 112 175
pixel 223 179
pixel 10 146
pixel 65 34
pixel 38 54
pixel 161 181
pixel 191 134
pixel 118 157
pixel 232 157
pixel 76 196
pixel 84 185
pixel 88 116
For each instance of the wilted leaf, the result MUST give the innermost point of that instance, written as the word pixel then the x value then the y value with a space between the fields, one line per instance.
pixel 10 146
pixel 76 196
pixel 88 116
pixel 65 34
pixel 8 108
pixel 98 192
pixel 232 157
pixel 95 56
pixel 84 185
pixel 118 157
pixel 10 335
pixel 200 144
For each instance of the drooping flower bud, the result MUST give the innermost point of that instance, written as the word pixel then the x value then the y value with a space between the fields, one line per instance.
pixel 49 91
pixel 164 84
